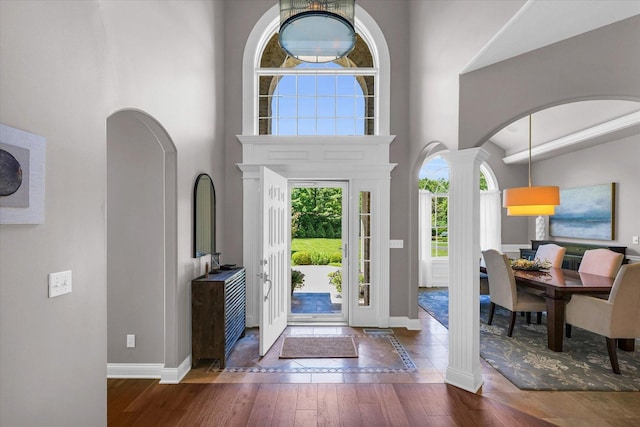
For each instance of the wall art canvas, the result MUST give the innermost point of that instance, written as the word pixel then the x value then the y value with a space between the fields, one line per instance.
pixel 22 161
pixel 585 213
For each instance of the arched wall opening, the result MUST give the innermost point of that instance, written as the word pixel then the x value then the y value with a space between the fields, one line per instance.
pixel 433 229
pixel 514 88
pixel 612 74
pixel 141 243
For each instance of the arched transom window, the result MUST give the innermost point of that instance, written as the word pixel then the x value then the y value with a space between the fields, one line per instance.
pixel 298 98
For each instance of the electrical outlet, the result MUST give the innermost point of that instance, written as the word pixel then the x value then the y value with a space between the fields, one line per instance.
pixel 635 240
pixel 131 340
pixel 59 283
pixel 396 244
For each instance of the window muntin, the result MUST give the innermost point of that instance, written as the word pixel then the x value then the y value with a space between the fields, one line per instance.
pixel 331 103
pixel 335 98
pixel 364 252
pixel 434 177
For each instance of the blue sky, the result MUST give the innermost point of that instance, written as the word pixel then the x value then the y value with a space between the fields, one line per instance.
pixel 321 105
pixel 435 168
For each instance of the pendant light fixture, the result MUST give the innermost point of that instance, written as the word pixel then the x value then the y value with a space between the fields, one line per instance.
pixel 531 201
pixel 317 30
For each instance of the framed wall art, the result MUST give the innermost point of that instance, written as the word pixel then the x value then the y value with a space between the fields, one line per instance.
pixel 22 168
pixel 585 213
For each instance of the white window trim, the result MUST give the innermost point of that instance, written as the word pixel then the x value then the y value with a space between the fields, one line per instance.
pixel 361 160
pixel 267 25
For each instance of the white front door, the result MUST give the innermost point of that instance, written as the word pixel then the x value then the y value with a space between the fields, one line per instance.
pixel 274 260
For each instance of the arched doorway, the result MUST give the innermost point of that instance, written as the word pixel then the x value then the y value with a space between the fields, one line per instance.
pixel 433 214
pixel 141 244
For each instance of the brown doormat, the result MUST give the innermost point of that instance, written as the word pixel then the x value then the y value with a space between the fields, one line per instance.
pixel 318 347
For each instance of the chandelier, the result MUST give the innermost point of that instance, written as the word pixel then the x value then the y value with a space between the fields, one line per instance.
pixel 531 201
pixel 317 30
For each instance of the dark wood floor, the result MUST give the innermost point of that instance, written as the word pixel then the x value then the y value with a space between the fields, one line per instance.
pixel 148 403
pixel 210 398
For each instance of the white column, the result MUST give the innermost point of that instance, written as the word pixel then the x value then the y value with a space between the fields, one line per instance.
pixel 464 261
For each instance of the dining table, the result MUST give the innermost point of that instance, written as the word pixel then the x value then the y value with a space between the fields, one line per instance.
pixel 558 286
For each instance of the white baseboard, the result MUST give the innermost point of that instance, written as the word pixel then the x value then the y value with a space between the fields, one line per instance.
pixel 175 375
pixel 405 322
pixel 469 381
pixel 150 371
pixel 134 370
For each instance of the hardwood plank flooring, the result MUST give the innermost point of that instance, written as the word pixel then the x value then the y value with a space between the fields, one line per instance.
pixel 144 403
pixel 361 399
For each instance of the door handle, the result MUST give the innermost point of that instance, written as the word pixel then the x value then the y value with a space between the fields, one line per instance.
pixel 266 297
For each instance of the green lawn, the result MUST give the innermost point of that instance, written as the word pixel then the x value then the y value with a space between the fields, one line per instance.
pixel 440 249
pixel 316 245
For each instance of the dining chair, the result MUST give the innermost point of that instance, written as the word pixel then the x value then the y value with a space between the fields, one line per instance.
pixel 503 290
pixel 555 255
pixel 552 253
pixel 615 318
pixel 601 262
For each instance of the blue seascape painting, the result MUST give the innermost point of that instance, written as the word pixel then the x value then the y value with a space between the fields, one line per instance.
pixel 585 213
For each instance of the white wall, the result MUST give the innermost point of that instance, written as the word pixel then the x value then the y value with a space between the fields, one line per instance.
pixel 67 66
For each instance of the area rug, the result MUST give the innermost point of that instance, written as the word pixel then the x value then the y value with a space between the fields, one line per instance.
pixel 294 347
pixel 526 361
pixel 379 351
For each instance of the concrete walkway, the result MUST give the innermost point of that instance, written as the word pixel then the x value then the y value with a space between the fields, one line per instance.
pixel 316 280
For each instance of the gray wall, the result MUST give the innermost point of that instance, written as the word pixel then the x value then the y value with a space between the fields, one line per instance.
pixel 66 67
pixel 600 64
pixel 392 17
pixel 135 241
pixel 546 77
pixel 444 37
pixel 167 61
pixel 56 84
pixel 616 161
pixel 240 18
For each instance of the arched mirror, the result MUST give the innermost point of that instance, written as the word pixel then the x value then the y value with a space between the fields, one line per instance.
pixel 204 216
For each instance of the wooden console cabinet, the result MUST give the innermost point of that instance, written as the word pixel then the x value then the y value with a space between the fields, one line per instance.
pixel 575 251
pixel 217 315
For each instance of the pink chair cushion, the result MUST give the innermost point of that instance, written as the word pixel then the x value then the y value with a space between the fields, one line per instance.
pixel 601 262
pixel 552 253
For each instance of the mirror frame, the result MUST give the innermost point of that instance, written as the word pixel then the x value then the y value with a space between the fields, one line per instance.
pixel 198 221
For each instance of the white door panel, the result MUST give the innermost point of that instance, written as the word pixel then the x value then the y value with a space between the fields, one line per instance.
pixel 274 261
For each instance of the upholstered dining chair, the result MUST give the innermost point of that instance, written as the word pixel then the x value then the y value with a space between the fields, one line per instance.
pixel 615 318
pixel 552 253
pixel 601 262
pixel 503 291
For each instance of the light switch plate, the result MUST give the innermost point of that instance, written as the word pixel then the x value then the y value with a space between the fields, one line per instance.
pixel 59 283
pixel 635 240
